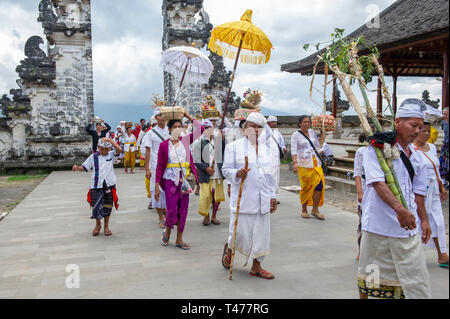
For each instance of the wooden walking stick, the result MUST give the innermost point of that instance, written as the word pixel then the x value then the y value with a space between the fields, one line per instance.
pixel 236 220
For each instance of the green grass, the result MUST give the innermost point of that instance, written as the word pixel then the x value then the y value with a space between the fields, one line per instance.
pixel 25 177
pixel 286 161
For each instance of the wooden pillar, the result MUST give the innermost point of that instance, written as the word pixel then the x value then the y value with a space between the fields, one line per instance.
pixel 445 84
pixel 379 100
pixel 334 102
pixel 394 94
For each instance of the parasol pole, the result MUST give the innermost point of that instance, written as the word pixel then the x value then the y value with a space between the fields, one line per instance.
pixel 236 220
pixel 182 79
pixel 231 83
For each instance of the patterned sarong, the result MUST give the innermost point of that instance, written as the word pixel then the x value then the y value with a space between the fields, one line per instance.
pixel 102 200
pixel 443 162
pixel 309 179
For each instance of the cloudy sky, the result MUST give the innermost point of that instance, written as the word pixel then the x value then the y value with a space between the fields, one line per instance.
pixel 127 46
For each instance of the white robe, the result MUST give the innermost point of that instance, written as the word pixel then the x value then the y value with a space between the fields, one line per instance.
pixel 433 202
pixel 253 231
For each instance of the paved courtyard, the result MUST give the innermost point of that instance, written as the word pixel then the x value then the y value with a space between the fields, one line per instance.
pixel 51 229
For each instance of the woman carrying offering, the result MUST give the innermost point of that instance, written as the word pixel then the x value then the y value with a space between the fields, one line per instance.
pixel 174 165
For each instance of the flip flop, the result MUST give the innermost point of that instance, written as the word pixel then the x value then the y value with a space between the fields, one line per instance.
pixel 206 224
pixel 164 239
pixel 444 265
pixel 217 222
pixel 108 233
pixel 318 216
pixel 184 246
pixel 305 216
pixel 263 274
pixel 95 233
pixel 225 255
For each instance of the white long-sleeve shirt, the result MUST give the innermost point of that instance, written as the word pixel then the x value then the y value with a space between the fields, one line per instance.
pixel 259 186
pixel 303 149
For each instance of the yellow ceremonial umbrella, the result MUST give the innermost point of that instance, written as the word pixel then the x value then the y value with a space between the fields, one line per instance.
pixel 240 39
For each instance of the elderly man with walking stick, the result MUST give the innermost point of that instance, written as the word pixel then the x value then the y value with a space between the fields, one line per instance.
pixel 253 196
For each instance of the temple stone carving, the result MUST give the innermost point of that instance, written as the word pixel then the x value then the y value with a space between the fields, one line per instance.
pixel 45 119
pixel 185 22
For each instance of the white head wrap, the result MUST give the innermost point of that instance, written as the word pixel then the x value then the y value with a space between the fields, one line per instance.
pixel 411 108
pixel 123 122
pixel 153 120
pixel 432 114
pixel 272 119
pixel 103 143
pixel 207 123
pixel 118 126
pixel 257 118
pixel 157 111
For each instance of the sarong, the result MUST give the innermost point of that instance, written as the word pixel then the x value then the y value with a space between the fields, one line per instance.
pixel 102 200
pixel 393 268
pixel 130 160
pixel 310 178
pixel 436 219
pixel 161 204
pixel 252 235
pixel 209 192
pixel 177 204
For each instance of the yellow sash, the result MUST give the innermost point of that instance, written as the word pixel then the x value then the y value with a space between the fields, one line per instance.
pixel 185 165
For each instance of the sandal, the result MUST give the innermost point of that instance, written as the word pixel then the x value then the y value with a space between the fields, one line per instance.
pixel 305 215
pixel 216 222
pixel 164 239
pixel 95 233
pixel 263 274
pixel 444 265
pixel 318 216
pixel 183 246
pixel 109 233
pixel 226 260
pixel 161 223
pixel 206 223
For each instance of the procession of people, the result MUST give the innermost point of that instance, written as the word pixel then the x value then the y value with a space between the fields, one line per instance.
pixel 400 181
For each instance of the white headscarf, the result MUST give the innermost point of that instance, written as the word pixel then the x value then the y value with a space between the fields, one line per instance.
pixel 411 108
pixel 272 119
pixel 257 118
pixel 103 143
pixel 157 111
pixel 207 123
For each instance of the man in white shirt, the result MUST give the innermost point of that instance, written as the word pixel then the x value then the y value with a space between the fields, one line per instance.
pixel 258 196
pixel 392 262
pixel 277 145
pixel 150 145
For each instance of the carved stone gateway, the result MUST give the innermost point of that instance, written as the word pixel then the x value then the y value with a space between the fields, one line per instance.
pixel 185 22
pixel 46 118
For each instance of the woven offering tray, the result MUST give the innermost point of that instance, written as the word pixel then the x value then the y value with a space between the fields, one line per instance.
pixel 330 123
pixel 172 112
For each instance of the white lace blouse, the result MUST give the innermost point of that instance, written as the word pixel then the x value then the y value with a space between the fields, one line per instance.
pixel 303 149
pixel 174 173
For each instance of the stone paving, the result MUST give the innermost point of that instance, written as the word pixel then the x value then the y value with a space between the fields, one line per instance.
pixel 51 229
